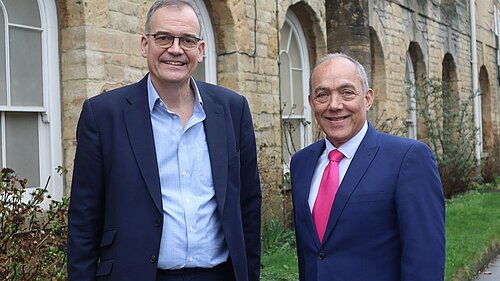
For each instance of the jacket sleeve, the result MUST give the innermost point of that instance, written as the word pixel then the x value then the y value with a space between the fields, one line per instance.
pixel 86 200
pixel 421 216
pixel 250 194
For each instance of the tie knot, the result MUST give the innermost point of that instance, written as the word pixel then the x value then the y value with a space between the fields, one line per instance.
pixel 335 155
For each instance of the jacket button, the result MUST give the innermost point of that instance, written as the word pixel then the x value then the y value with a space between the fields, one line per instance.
pixel 321 256
pixel 158 222
pixel 152 259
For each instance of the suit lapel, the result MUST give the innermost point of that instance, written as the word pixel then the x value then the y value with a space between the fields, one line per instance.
pixel 216 134
pixel 362 159
pixel 305 180
pixel 140 133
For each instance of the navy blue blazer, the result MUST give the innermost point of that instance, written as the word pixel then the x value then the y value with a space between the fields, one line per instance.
pixel 387 221
pixel 115 213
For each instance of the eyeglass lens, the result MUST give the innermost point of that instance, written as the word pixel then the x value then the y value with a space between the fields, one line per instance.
pixel 167 40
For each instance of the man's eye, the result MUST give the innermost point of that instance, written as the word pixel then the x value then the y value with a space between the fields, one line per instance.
pixel 322 97
pixel 163 38
pixel 189 40
pixel 348 95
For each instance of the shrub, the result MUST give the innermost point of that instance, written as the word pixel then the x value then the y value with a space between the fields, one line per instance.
pixel 276 235
pixel 32 236
pixel 448 128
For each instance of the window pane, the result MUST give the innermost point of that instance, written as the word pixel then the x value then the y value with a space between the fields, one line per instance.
pixel 294 53
pixel 291 134
pixel 3 77
pixel 284 36
pixel 298 95
pixel 23 12
pixel 26 67
pixel 286 95
pixel 21 140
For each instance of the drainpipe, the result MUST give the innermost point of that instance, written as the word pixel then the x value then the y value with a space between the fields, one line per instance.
pixel 475 87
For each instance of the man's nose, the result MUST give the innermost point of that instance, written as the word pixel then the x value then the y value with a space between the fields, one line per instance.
pixel 336 102
pixel 176 46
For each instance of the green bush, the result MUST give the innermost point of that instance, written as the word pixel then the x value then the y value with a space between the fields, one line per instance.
pixel 276 235
pixel 32 234
pixel 446 124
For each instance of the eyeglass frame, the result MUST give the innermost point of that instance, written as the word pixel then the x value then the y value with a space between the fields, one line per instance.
pixel 323 96
pixel 197 39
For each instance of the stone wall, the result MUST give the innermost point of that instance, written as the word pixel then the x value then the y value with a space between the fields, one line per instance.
pixel 100 50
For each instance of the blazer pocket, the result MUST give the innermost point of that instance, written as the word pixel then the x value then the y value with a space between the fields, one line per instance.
pixel 107 238
pixel 104 268
pixel 369 197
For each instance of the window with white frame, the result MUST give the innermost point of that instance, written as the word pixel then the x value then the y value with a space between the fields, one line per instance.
pixel 411 119
pixel 294 77
pixel 30 120
pixel 206 70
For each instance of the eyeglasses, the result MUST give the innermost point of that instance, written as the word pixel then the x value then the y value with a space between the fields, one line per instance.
pixel 165 40
pixel 324 96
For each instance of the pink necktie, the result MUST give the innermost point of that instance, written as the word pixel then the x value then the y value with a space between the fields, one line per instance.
pixel 326 194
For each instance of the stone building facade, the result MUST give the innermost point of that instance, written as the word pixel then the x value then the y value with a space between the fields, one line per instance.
pixel 265 51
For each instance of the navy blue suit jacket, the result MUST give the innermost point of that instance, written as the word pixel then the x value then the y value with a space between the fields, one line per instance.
pixel 387 221
pixel 115 212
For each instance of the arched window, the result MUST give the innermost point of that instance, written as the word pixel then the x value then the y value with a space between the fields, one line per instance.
pixel 206 70
pixel 294 77
pixel 415 80
pixel 486 108
pixel 411 119
pixel 450 88
pixel 30 119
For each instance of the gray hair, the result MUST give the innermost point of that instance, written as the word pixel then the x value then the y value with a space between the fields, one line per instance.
pixel 359 66
pixel 169 3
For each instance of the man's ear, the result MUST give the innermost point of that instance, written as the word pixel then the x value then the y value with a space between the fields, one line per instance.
pixel 144 46
pixel 370 95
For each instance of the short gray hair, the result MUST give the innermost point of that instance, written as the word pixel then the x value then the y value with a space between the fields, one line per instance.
pixel 359 66
pixel 169 3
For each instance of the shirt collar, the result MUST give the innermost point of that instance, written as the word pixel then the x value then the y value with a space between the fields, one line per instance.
pixel 153 96
pixel 350 147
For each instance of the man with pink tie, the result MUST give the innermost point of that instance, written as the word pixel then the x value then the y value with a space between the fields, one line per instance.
pixel 367 205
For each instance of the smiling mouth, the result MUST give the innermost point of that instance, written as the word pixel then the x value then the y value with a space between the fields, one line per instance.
pixel 335 119
pixel 175 63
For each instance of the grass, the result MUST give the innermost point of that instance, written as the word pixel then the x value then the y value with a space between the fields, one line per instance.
pixel 280 265
pixel 472 233
pixel 472 237
pixel 279 258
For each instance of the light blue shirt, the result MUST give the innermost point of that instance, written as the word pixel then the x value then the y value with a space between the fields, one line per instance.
pixel 348 149
pixel 192 233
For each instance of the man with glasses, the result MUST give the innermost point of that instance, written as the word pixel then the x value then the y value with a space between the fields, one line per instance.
pixel 165 182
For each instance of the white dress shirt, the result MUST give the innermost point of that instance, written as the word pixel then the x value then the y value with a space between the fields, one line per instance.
pixel 348 149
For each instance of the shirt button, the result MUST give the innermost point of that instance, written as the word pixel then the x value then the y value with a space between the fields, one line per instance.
pixel 191 229
pixel 188 200
pixel 321 256
pixel 152 259
pixel 184 173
